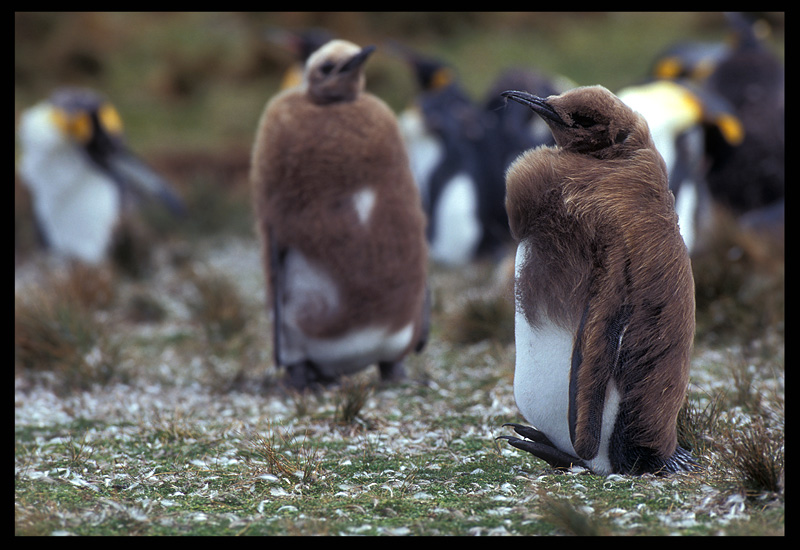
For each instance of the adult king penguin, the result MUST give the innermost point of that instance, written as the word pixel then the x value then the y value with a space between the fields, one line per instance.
pixel 81 173
pixel 443 133
pixel 692 128
pixel 341 223
pixel 604 290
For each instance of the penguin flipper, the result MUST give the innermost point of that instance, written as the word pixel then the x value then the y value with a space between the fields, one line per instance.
pixel 590 376
pixel 275 271
pixel 425 329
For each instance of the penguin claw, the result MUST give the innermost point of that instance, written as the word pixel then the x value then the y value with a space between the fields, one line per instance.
pixel 540 446
pixel 530 433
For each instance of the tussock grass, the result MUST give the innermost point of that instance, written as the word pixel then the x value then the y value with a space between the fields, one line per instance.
pixel 697 427
pixel 144 307
pixel 483 318
pixel 755 454
pixel 56 332
pixel 88 287
pixel 281 454
pixel 218 307
pixel 351 397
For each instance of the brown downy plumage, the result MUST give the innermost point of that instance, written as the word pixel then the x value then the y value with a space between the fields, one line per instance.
pixel 602 258
pixel 341 224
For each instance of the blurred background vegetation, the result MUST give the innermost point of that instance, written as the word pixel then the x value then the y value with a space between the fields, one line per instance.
pixel 191 87
pixel 198 81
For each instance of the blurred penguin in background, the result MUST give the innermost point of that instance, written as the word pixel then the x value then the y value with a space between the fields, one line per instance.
pixel 81 175
pixel 752 78
pixel 749 179
pixel 691 128
pixel 341 224
pixel 509 129
pixel 460 150
pixel 442 131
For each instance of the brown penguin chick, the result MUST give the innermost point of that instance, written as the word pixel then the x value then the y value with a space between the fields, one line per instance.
pixel 604 290
pixel 341 223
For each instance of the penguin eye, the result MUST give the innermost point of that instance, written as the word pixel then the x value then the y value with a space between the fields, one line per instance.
pixel 583 121
pixel 327 67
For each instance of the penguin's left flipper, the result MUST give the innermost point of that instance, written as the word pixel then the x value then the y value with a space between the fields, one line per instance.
pixel 276 287
pixel 542 449
pixel 422 341
pixel 596 358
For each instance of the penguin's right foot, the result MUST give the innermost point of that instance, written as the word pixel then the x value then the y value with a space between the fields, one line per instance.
pixel 391 372
pixel 304 375
pixel 539 445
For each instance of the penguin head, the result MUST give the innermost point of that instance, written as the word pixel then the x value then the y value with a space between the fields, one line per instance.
pixel 431 74
pixel 589 120
pixel 334 73
pixel 86 121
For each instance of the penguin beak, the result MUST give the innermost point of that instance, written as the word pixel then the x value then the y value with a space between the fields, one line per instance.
pixel 132 173
pixel 358 59
pixel 538 104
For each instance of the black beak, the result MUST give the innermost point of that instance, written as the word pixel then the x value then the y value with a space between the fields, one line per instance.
pixel 358 59
pixel 538 104
pixel 130 172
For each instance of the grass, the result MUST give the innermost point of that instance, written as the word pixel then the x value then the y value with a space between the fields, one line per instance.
pixel 145 399
pixel 152 457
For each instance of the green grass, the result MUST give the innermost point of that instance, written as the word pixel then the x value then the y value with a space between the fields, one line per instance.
pixel 178 428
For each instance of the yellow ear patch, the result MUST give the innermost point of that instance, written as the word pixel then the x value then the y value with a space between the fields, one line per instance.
pixel 292 78
pixel 76 125
pixel 110 119
pixel 731 128
pixel 669 67
pixel 441 78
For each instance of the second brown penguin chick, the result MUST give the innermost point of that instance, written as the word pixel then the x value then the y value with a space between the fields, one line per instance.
pixel 604 291
pixel 341 223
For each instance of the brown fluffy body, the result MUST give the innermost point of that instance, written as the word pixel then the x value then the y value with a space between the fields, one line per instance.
pixel 309 159
pixel 605 249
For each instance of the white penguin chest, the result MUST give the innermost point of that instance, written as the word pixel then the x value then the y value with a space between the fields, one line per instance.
pixel 542 378
pixel 457 227
pixel 75 203
pixel 542 372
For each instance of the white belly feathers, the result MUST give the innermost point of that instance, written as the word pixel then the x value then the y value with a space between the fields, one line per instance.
pixel 308 290
pixel 541 382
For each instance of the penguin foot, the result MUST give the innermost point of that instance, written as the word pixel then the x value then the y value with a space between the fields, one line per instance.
pixel 393 371
pixel 540 446
pixel 680 461
pixel 304 375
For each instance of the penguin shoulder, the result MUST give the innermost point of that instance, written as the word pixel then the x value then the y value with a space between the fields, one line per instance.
pixel 533 178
